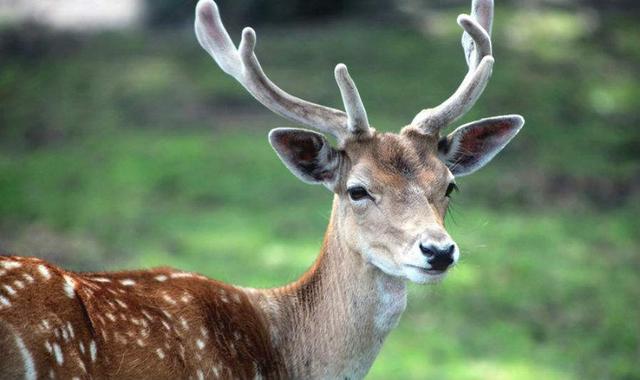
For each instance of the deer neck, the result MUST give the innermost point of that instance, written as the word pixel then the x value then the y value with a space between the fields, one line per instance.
pixel 332 322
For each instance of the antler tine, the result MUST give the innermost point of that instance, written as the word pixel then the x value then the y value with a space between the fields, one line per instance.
pixel 482 12
pixel 476 43
pixel 243 65
pixel 357 116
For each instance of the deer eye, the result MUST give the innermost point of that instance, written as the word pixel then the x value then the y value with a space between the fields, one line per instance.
pixel 452 186
pixel 357 193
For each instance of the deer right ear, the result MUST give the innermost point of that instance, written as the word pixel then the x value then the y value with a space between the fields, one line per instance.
pixel 307 154
pixel 473 145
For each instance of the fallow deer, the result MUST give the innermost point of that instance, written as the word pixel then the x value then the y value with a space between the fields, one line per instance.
pixel 386 228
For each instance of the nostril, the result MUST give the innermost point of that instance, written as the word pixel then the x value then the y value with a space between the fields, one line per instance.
pixel 429 251
pixel 449 250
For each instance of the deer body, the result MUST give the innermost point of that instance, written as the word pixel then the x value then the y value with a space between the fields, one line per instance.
pixel 169 324
pixel 391 193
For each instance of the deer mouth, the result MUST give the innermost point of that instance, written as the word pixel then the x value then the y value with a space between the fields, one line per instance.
pixel 428 271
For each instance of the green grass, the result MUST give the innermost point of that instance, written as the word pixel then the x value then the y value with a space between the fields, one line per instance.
pixel 134 150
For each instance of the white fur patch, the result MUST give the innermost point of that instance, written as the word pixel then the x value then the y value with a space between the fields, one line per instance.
pixel 30 372
pixel 10 264
pixel 4 301
pixel 127 282
pixel 93 351
pixel 57 351
pixel 69 286
pixel 44 271
pixel 11 291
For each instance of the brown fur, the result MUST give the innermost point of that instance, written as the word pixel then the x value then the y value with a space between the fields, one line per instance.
pixel 167 324
pixel 141 327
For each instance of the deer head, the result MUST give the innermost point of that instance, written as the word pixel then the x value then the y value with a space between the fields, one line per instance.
pixel 391 190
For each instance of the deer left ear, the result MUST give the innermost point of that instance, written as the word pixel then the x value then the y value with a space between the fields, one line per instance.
pixel 473 145
pixel 307 154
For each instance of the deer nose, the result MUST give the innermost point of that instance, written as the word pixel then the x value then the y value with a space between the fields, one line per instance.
pixel 440 258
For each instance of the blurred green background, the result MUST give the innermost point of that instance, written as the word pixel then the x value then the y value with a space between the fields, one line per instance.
pixel 123 145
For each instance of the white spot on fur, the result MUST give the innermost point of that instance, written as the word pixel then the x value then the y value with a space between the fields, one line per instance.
pixel 140 342
pixel 160 353
pixel 168 298
pixel 58 354
pixel 122 304
pixel 181 275
pixel 6 264
pixel 127 282
pixel 44 271
pixel 200 374
pixel 27 360
pixel 81 364
pixel 47 345
pixel 101 279
pixel 69 286
pixel 111 317
pixel 4 301
pixel 70 328
pixel 19 284
pixel 81 346
pixel 184 323
pixel 161 278
pixel 9 290
pixel 200 344
pixel 93 351
pixel 186 297
pixel 45 324
pixel 28 277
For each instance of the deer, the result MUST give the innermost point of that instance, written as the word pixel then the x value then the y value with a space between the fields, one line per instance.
pixel 390 195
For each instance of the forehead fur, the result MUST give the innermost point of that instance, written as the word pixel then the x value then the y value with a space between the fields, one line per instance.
pixel 397 157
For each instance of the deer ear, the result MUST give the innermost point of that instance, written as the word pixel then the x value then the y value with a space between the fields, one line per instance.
pixel 307 154
pixel 473 145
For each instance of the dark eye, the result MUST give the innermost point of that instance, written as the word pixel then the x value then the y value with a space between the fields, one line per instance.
pixel 452 186
pixel 357 193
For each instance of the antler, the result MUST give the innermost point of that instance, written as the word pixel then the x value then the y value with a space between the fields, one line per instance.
pixel 476 42
pixel 243 65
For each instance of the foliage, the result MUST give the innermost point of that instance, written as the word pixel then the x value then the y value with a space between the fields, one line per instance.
pixel 171 12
